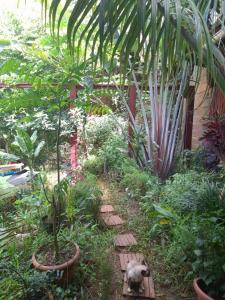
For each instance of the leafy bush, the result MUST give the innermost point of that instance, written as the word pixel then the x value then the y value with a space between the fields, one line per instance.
pixel 209 257
pixel 183 192
pixel 214 136
pixel 113 153
pixel 110 149
pixel 93 165
pixel 211 199
pixel 99 128
pixel 22 283
pixel 179 251
pixel 134 180
pixel 86 197
pixel 196 248
pixel 190 160
pixel 186 214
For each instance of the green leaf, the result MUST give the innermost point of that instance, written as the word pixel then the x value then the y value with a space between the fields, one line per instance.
pixel 34 137
pixel 21 144
pixel 200 242
pixel 39 148
pixel 8 157
pixel 198 252
pixel 173 30
pixel 163 212
pixel 24 141
pixel 223 267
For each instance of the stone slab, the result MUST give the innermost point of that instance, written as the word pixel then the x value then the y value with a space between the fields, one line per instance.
pixel 106 209
pixel 124 240
pixel 112 220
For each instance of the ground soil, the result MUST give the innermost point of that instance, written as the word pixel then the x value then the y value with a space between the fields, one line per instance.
pixel 46 254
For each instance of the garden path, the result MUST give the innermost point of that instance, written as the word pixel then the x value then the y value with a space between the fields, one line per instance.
pixel 166 285
pixel 123 242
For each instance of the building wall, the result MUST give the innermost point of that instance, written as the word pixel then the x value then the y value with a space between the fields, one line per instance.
pixel 201 109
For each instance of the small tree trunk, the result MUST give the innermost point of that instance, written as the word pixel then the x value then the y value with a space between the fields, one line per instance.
pixel 55 230
pixel 58 143
pixel 56 213
pixel 31 175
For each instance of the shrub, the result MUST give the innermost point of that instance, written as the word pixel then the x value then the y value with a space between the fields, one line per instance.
pixel 113 153
pixel 183 191
pixel 210 199
pixel 189 219
pixel 98 130
pixel 86 198
pixel 190 160
pixel 180 248
pixel 93 165
pixel 209 257
pixel 214 137
pixel 134 180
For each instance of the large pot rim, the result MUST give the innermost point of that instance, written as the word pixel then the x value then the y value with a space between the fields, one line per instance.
pixel 199 291
pixel 63 266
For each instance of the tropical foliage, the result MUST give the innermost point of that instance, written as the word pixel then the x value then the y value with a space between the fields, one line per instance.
pixel 166 41
pixel 151 50
pixel 29 147
pixel 169 31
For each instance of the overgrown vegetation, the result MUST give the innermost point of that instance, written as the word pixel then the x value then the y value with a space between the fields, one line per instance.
pixel 181 194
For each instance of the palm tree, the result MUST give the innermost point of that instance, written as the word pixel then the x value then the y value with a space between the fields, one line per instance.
pixel 174 30
pixel 168 40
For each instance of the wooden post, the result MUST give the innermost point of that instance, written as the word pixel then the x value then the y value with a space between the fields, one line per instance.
pixel 132 93
pixel 189 118
pixel 73 137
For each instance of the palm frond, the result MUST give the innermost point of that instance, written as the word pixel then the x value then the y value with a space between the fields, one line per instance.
pixel 174 29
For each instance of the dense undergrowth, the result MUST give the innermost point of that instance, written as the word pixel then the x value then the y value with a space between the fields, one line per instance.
pixel 182 219
pixel 184 216
pixel 182 222
pixel 17 273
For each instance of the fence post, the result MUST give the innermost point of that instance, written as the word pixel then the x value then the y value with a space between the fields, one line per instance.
pixel 189 117
pixel 73 137
pixel 132 94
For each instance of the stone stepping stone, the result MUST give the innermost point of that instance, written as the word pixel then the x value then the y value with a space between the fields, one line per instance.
pixel 126 257
pixel 124 240
pixel 149 292
pixel 112 220
pixel 106 209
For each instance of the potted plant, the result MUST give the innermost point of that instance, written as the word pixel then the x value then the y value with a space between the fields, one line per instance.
pixel 199 291
pixel 29 285
pixel 56 256
pixel 209 263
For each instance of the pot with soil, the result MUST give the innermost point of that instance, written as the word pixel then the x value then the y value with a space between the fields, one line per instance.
pixel 199 291
pixel 57 255
pixel 44 260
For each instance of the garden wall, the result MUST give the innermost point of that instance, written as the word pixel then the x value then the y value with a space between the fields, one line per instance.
pixel 201 109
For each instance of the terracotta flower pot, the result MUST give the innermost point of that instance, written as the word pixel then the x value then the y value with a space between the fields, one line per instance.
pixel 50 296
pixel 66 267
pixel 201 295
